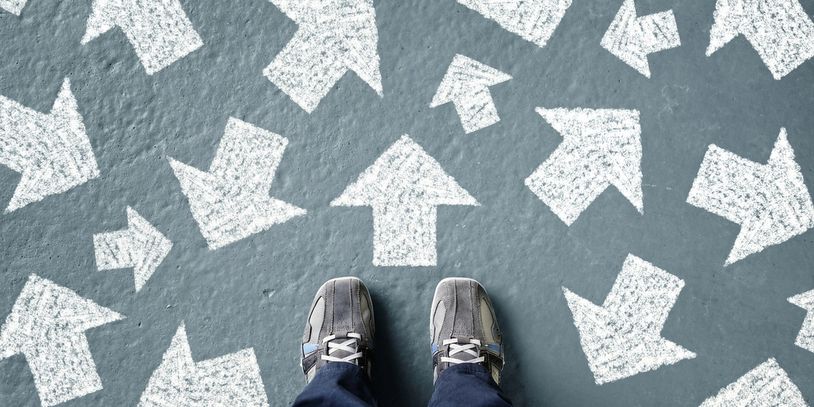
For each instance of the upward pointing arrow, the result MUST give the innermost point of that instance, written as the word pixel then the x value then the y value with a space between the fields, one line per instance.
pixel 47 324
pixel 466 84
pixel 13 6
pixel 781 31
pixel 51 151
pixel 766 385
pixel 770 201
pixel 159 30
pixel 622 337
pixel 805 339
pixel 404 186
pixel 533 20
pixel 334 36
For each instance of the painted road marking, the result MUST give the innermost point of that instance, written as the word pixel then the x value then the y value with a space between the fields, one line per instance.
pixel 533 20
pixel 805 339
pixel 767 385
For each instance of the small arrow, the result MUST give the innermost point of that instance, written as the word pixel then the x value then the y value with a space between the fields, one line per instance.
pixel 47 324
pixel 622 337
pixel 332 38
pixel 600 148
pixel 230 202
pixel 229 380
pixel 13 6
pixel 766 385
pixel 404 186
pixel 466 84
pixel 770 201
pixel 805 339
pixel 51 151
pixel 781 31
pixel 159 30
pixel 533 20
pixel 140 246
pixel 632 39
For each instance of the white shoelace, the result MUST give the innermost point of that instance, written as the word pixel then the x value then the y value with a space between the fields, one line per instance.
pixel 472 348
pixel 350 345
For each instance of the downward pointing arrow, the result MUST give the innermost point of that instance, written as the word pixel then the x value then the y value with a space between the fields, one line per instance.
pixel 766 385
pixel 770 201
pixel 466 84
pixel 404 187
pixel 533 20
pixel 805 339
pixel 623 337
pixel 13 6
pixel 47 324
pixel 231 202
pixel 51 151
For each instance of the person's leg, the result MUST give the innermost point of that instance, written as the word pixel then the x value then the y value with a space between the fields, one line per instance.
pixel 468 385
pixel 339 385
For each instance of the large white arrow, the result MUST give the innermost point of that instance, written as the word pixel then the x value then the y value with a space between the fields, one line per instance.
pixel 767 385
pixel 622 337
pixel 47 324
pixel 159 30
pixel 770 201
pixel 404 186
pixel 13 6
pixel 231 201
pixel 466 84
pixel 51 151
pixel 179 381
pixel 140 246
pixel 333 37
pixel 533 20
pixel 781 31
pixel 633 38
pixel 805 339
pixel 600 148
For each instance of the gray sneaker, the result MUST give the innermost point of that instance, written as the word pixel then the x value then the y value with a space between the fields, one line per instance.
pixel 463 327
pixel 340 327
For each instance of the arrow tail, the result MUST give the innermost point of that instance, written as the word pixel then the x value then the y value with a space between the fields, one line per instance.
pixel 477 111
pixel 726 185
pixel 13 6
pixel 248 156
pixel 65 371
pixel 659 32
pixel 404 235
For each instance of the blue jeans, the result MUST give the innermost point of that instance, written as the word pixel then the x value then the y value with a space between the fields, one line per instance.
pixel 346 385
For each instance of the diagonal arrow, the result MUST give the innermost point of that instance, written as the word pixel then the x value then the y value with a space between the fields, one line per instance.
pixel 140 246
pixel 766 385
pixel 179 381
pixel 533 20
pixel 466 84
pixel 770 201
pixel 404 186
pixel 632 39
pixel 781 31
pixel 13 6
pixel 51 151
pixel 622 337
pixel 230 202
pixel 333 37
pixel 600 148
pixel 159 30
pixel 805 339
pixel 47 324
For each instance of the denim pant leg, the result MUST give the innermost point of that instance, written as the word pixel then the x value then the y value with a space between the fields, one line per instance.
pixel 467 385
pixel 337 385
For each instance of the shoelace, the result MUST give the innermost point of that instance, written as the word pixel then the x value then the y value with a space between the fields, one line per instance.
pixel 350 345
pixel 472 348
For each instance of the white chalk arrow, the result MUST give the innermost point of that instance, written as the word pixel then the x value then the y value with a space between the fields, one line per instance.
pixel 47 325
pixel 781 31
pixel 404 186
pixel 770 201
pixel 805 339
pixel 231 201
pixel 622 337
pixel 533 20
pixel 333 37
pixel 767 385
pixel 633 38
pixel 466 84
pixel 140 246
pixel 159 30
pixel 179 381
pixel 600 148
pixel 13 6
pixel 51 151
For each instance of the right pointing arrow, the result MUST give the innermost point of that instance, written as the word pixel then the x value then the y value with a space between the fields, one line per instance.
pixel 767 385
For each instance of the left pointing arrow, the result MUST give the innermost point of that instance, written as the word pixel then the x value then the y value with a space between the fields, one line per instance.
pixel 13 6
pixel 51 151
pixel 47 324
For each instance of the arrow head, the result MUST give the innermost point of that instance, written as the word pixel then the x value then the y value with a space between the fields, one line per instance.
pixel 765 385
pixel 533 20
pixel 464 78
pixel 13 6
pixel 805 339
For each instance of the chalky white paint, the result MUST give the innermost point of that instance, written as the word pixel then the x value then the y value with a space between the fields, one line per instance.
pixel 404 186
pixel 622 337
pixel 159 30
pixel 466 85
pixel 51 151
pixel 231 201
pixel 333 37
pixel 770 201
pixel 533 20
pixel 13 6
pixel 229 380
pixel 805 339
pixel 600 148
pixel 47 325
pixel 767 385
pixel 140 246
pixel 632 39
pixel 781 31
